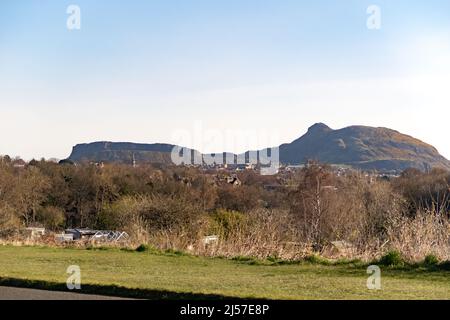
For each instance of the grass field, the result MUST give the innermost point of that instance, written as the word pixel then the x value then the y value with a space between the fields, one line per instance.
pixel 156 275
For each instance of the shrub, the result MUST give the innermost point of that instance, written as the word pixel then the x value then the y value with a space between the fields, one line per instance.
pixel 169 212
pixel 145 248
pixel 431 260
pixel 118 214
pixel 225 222
pixel 51 217
pixel 9 222
pixel 417 236
pixel 140 215
pixel 392 259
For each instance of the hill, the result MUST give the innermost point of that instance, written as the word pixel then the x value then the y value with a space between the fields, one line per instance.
pixel 122 152
pixel 363 147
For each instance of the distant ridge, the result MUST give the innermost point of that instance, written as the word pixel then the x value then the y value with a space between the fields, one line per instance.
pixel 122 152
pixel 363 147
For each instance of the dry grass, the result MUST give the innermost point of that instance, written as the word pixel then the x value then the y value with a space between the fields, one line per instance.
pixel 426 233
pixel 266 234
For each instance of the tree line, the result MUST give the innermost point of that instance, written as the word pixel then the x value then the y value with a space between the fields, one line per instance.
pixel 263 215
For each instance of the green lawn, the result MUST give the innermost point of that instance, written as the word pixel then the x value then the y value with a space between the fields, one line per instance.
pixel 153 275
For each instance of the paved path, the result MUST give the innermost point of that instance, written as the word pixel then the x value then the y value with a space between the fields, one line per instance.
pixel 8 293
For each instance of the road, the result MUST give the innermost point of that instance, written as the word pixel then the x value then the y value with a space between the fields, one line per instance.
pixel 8 293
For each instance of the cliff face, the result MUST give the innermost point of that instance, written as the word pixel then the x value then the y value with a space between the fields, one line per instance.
pixel 357 146
pixel 121 152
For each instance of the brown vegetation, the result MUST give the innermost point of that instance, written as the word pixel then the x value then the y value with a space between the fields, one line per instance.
pixel 303 212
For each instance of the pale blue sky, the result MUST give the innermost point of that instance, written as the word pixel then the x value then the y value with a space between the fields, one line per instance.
pixel 157 71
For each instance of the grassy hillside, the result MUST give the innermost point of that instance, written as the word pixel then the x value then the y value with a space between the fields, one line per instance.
pixel 363 147
pixel 173 275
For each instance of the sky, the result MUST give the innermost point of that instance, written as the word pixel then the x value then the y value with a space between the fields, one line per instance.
pixel 218 75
